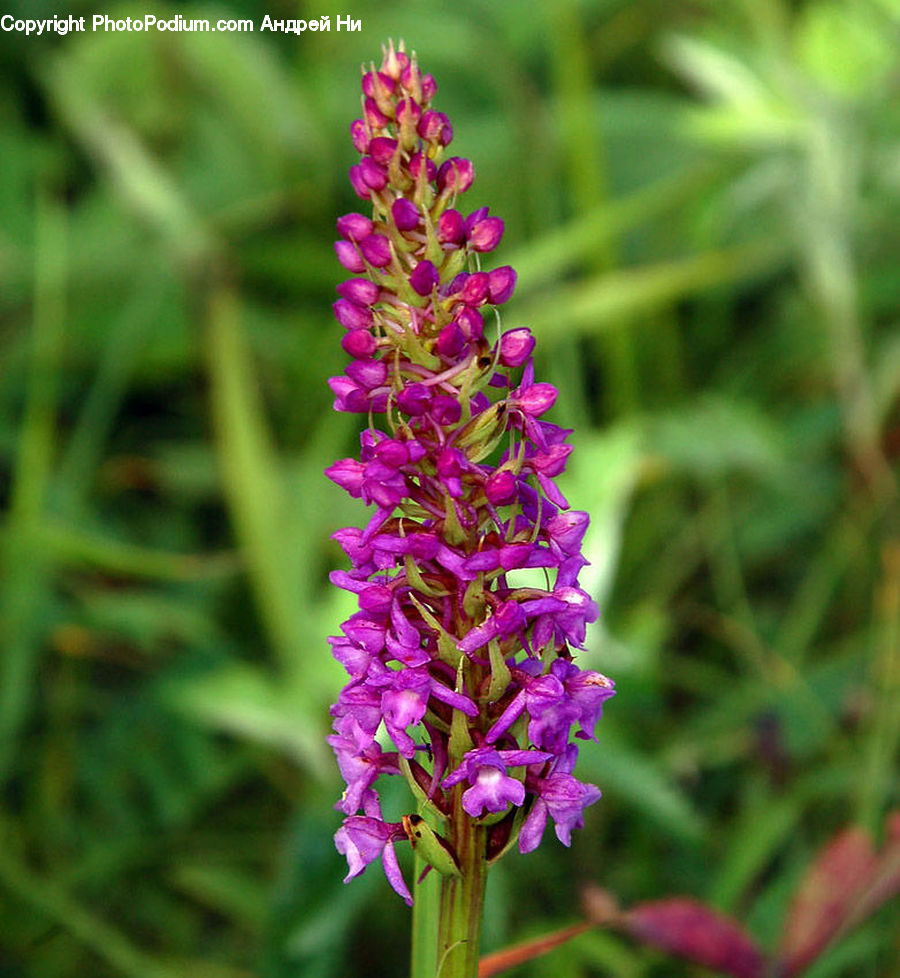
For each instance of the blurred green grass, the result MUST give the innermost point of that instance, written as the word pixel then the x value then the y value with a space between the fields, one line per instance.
pixel 702 203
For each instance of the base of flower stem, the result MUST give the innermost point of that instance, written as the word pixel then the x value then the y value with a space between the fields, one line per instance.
pixel 462 903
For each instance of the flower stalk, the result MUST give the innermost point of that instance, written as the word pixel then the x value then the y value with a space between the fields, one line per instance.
pixel 460 657
pixel 462 898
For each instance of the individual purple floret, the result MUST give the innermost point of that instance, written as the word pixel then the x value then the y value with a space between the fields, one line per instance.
pixel 461 674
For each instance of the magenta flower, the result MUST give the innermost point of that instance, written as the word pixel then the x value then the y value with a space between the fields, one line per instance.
pixel 492 789
pixel 365 838
pixel 560 796
pixel 461 680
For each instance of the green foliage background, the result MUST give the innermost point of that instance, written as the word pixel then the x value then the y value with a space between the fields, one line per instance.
pixel 702 203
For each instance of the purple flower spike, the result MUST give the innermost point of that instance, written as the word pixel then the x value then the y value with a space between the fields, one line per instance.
pixel 460 678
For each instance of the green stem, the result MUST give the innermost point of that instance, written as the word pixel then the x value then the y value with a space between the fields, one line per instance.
pixel 462 898
pixel 425 922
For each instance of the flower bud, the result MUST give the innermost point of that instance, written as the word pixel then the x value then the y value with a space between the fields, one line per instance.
pixel 434 127
pixel 411 79
pixel 392 452
pixel 359 290
pixel 475 291
pixel 409 112
pixel 378 85
pixel 500 487
pixel 414 399
pixel 502 283
pixel 446 409
pixel 450 341
pixel 429 88
pixel 382 149
pixel 348 474
pixel 347 396
pixel 376 249
pixel 363 190
pixel 367 373
pixel 424 278
pixel 486 234
pixel 394 61
pixel 354 226
pixel 349 257
pixel 352 316
pixel 375 118
pixel 359 343
pixel 372 174
pixel 359 135
pixel 471 322
pixel 415 164
pixel 450 227
pixel 455 175
pixel 537 399
pixel 477 215
pixel 516 346
pixel 405 214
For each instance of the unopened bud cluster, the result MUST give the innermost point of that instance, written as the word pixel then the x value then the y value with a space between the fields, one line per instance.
pixel 461 679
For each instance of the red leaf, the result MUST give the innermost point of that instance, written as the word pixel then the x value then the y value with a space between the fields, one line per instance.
pixel 500 961
pixel 690 929
pixel 847 882
pixel 885 882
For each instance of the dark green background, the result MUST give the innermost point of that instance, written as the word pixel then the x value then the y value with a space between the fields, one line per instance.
pixel 701 200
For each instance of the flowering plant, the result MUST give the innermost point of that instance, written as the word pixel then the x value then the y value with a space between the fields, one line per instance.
pixel 466 668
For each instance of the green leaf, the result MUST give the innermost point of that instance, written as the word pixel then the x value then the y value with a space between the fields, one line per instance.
pixel 247 702
pixel 613 300
pixel 716 435
pixel 639 782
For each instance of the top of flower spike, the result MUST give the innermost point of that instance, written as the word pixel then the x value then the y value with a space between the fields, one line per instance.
pixel 423 294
